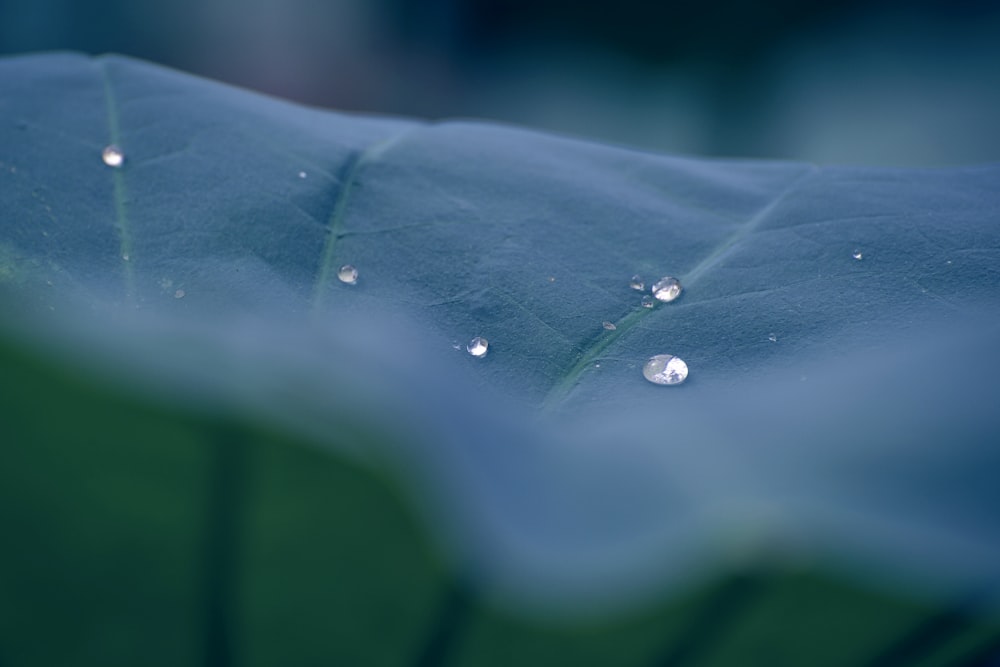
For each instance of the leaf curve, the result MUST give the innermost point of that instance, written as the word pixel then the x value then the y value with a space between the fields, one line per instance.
pixel 464 229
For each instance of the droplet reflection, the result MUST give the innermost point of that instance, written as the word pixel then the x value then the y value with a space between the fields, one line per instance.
pixel 667 288
pixel 348 274
pixel 478 346
pixel 113 156
pixel 665 369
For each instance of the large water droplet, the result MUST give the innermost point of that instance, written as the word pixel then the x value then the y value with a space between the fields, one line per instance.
pixel 113 156
pixel 477 346
pixel 665 369
pixel 610 326
pixel 667 288
pixel 348 274
pixel 637 284
pixel 857 255
pixel 648 301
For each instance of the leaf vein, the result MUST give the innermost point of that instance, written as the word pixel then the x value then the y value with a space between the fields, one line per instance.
pixel 118 179
pixel 565 385
pixel 349 176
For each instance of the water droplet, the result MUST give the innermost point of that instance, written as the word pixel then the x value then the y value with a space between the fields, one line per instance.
pixel 857 255
pixel 636 283
pixel 302 174
pixel 113 156
pixel 948 262
pixel 348 274
pixel 648 301
pixel 665 369
pixel 552 279
pixel 667 288
pixel 608 325
pixel 179 294
pixel 597 365
pixel 477 346
pixel 125 257
pixel 773 338
pixel 456 346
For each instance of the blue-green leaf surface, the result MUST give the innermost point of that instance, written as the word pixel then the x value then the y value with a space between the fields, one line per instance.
pixel 841 411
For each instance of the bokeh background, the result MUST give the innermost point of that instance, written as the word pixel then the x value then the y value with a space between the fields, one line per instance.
pixel 854 81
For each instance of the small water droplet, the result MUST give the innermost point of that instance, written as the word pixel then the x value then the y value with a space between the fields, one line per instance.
pixel 803 378
pixel 773 338
pixel 948 262
pixel 608 325
pixel 302 174
pixel 857 255
pixel 125 257
pixel 636 283
pixel 477 346
pixel 348 274
pixel 179 294
pixel 552 279
pixel 113 156
pixel 667 288
pixel 456 346
pixel 665 369
pixel 648 301
pixel 597 365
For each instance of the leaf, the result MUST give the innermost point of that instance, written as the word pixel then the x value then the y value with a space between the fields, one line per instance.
pixel 182 318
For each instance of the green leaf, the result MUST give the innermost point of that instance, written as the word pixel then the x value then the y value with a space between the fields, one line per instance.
pixel 216 451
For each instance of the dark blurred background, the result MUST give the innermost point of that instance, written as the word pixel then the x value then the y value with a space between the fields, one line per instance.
pixel 880 82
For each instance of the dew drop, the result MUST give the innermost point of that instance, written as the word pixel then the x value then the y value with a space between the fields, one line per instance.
pixel 608 325
pixel 113 156
pixel 773 338
pixel 857 255
pixel 179 294
pixel 648 301
pixel 667 288
pixel 348 274
pixel 636 283
pixel 477 346
pixel 665 369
